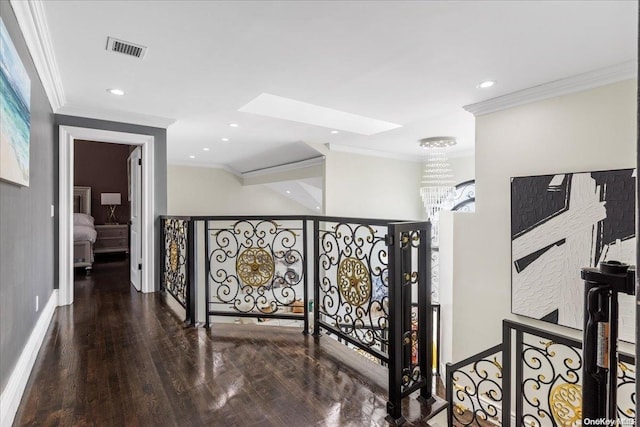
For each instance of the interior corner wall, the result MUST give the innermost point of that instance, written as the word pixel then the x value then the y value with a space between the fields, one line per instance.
pixel 372 187
pixel 214 191
pixel 27 242
pixel 464 168
pixel 585 131
pixel 159 168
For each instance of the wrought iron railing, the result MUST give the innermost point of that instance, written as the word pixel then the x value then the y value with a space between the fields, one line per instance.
pixel 256 267
pixel 410 345
pixel 435 315
pixel 371 283
pixel 177 273
pixel 464 197
pixel 352 284
pixel 547 368
pixel 535 373
pixel 474 388
pixel 437 339
pixel 627 398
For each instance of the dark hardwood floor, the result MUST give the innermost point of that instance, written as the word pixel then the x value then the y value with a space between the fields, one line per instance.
pixel 121 358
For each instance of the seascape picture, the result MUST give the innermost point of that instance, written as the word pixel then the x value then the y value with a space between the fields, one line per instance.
pixel 15 113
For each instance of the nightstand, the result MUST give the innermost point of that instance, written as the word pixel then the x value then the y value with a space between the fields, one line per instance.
pixel 111 238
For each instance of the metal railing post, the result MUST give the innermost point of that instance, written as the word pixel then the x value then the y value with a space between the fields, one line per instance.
pixel 506 374
pixel 207 273
pixel 394 405
pixel 316 278
pixel 449 393
pixel 305 292
pixel 425 315
pixel 191 273
pixel 163 252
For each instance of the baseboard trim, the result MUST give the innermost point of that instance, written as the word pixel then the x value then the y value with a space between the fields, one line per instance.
pixel 12 393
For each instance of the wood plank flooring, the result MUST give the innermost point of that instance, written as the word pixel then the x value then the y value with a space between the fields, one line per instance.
pixel 121 358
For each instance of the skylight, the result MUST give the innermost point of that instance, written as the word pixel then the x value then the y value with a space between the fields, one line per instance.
pixel 302 112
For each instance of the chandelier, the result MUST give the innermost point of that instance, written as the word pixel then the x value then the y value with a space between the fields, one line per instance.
pixel 437 185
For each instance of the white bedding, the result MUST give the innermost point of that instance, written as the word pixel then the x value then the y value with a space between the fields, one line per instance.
pixel 84 232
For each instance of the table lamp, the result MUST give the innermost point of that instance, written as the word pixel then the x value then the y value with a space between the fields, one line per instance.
pixel 111 200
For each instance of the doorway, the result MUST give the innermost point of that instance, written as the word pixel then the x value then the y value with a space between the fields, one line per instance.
pixel 145 228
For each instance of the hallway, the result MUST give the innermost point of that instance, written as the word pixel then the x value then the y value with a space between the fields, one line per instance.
pixel 118 357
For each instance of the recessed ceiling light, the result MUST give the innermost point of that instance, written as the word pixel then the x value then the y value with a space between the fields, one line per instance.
pixel 486 84
pixel 288 191
pixel 224 139
pixel 317 207
pixel 335 131
pixel 206 149
pixel 192 156
pixel 233 125
pixel 118 92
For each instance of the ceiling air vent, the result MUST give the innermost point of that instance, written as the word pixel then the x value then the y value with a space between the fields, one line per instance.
pixel 126 48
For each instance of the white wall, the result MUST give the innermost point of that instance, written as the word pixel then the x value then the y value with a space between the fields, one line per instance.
pixel 590 130
pixel 372 187
pixel 464 168
pixel 209 191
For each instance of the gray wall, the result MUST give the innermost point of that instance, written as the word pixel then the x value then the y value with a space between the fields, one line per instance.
pixel 27 241
pixel 160 166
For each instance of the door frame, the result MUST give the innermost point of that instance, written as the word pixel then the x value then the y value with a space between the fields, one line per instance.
pixel 67 137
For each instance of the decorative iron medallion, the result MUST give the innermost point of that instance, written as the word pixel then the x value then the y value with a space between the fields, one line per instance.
pixel 255 267
pixel 565 402
pixel 173 255
pixel 354 281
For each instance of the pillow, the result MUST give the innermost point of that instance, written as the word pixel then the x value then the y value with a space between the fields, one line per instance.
pixel 82 219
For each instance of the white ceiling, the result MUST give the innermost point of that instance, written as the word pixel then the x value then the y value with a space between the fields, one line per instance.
pixel 306 191
pixel 412 63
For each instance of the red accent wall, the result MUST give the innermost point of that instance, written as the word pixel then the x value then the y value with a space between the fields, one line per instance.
pixel 103 167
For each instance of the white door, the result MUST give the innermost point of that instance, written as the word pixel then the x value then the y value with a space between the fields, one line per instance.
pixel 135 198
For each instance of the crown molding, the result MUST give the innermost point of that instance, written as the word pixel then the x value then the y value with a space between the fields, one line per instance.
pixel 592 79
pixel 33 23
pixel 117 116
pixel 373 153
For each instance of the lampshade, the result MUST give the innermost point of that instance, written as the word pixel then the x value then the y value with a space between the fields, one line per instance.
pixel 110 199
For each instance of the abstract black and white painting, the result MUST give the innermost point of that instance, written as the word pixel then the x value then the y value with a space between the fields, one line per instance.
pixel 560 224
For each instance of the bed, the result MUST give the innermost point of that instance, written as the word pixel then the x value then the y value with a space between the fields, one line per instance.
pixel 84 232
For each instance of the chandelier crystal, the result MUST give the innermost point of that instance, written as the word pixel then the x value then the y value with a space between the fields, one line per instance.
pixel 437 185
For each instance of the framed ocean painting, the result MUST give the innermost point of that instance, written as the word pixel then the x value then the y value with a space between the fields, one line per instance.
pixel 15 113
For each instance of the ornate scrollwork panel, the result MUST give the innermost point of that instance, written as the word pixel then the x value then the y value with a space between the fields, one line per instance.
pixel 174 278
pixel 256 266
pixel 353 281
pixel 551 388
pixel 464 192
pixel 626 401
pixel 174 255
pixel 477 391
pixel 565 401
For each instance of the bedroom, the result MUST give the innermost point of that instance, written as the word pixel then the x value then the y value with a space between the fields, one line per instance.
pixel 102 209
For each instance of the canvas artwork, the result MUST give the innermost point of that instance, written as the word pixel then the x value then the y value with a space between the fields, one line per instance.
pixel 560 224
pixel 15 114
